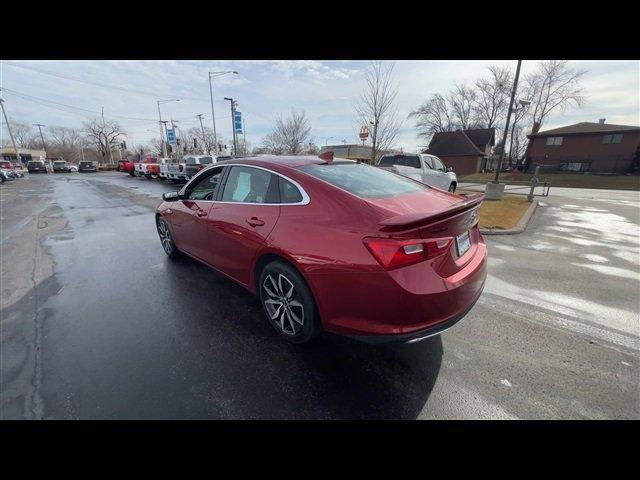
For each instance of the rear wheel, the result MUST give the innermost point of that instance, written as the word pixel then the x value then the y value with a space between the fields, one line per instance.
pixel 452 187
pixel 287 302
pixel 166 239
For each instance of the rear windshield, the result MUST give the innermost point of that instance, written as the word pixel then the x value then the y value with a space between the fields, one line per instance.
pixel 35 162
pixel 206 160
pixel 59 163
pixel 405 160
pixel 363 180
pixel 85 164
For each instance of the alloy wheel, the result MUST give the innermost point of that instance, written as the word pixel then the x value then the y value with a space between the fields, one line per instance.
pixel 281 304
pixel 165 237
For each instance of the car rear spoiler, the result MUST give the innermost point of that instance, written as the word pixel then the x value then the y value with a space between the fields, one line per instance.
pixel 401 222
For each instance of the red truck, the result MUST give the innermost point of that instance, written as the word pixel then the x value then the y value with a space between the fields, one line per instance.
pixel 148 166
pixel 126 166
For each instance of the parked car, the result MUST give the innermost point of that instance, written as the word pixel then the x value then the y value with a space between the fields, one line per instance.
pixel 332 245
pixel 126 166
pixel 424 168
pixel 87 166
pixel 36 166
pixel 60 166
pixel 194 163
pixel 148 166
pixel 6 165
pixel 164 163
pixel 73 167
pixel 6 175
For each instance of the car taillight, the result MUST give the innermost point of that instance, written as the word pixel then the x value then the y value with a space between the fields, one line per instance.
pixel 393 253
pixel 200 167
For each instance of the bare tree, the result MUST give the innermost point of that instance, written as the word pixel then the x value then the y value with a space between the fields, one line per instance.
pixel 433 117
pixel 102 135
pixel 554 86
pixel 290 135
pixel 376 108
pixel 462 100
pixel 25 135
pixel 492 99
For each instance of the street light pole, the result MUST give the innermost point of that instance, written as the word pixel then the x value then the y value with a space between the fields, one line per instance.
pixel 213 115
pixel 506 126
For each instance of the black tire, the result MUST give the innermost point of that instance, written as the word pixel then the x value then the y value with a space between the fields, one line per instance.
pixel 166 239
pixel 299 321
pixel 452 187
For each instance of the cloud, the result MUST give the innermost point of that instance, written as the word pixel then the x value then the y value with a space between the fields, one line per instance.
pixel 265 89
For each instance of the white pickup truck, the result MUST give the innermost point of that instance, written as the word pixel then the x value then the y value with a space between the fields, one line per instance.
pixel 424 168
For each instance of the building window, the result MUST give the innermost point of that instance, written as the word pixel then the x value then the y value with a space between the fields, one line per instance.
pixel 615 138
pixel 554 140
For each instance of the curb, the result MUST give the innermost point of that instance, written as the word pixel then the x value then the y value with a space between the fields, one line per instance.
pixel 520 226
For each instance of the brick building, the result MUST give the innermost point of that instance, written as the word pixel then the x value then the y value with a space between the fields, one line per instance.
pixel 585 147
pixel 466 151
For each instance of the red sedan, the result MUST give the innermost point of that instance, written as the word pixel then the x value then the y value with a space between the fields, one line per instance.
pixel 332 245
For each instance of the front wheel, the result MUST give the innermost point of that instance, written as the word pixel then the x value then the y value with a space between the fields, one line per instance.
pixel 166 239
pixel 288 304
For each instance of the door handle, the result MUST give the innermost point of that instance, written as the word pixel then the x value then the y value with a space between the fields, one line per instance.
pixel 201 213
pixel 255 222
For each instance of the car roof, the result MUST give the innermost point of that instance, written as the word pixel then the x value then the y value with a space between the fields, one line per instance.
pixel 267 161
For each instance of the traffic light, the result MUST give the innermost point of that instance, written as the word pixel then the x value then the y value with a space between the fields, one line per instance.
pixel 195 143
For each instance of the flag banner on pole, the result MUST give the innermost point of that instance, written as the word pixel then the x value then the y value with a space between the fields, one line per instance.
pixel 237 122
pixel 171 136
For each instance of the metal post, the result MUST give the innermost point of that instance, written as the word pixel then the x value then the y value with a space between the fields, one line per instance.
pixel 204 138
pixel 6 119
pixel 506 126
pixel 534 182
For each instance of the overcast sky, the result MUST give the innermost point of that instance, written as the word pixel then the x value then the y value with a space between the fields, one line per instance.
pixel 325 90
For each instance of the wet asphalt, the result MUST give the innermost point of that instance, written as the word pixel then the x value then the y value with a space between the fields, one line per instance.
pixel 98 323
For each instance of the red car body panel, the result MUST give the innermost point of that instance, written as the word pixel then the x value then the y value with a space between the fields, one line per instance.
pixel 323 239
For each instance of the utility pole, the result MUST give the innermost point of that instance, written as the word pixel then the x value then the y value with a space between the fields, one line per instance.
pixel 106 139
pixel 162 139
pixel 4 112
pixel 244 136
pixel 233 124
pixel 39 125
pixel 204 138
pixel 506 126
pixel 213 115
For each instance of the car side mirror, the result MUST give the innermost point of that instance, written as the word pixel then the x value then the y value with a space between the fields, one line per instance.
pixel 171 196
pixel 449 169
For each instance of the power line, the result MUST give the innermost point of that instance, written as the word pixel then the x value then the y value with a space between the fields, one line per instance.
pixel 103 85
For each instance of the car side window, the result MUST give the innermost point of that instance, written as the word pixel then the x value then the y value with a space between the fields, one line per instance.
pixel 206 187
pixel 289 193
pixel 250 185
pixel 428 162
pixel 439 165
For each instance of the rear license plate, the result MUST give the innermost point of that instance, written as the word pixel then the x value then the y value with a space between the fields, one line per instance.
pixel 463 243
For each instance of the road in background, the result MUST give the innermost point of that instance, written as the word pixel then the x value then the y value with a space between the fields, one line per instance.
pixel 98 323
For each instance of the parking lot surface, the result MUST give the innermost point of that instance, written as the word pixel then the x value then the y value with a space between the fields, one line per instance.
pixel 96 322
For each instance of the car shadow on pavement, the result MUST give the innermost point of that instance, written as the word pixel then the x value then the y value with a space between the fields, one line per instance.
pixel 268 378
